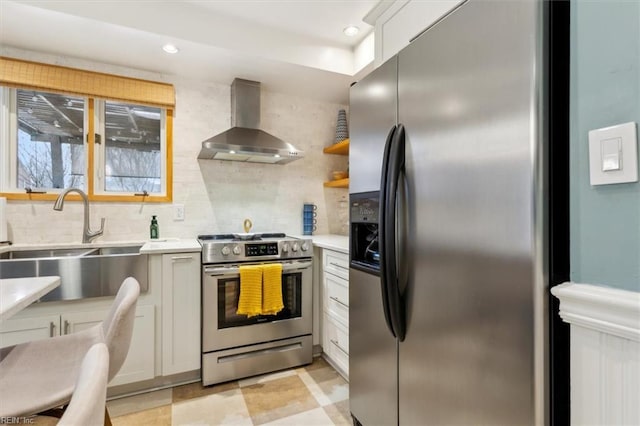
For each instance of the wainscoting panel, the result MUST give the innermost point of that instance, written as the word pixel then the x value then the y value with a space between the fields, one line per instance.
pixel 605 353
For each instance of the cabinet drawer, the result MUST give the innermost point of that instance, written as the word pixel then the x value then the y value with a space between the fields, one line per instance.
pixel 336 297
pixel 335 343
pixel 336 263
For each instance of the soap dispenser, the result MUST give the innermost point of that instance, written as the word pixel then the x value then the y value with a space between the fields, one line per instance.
pixel 153 229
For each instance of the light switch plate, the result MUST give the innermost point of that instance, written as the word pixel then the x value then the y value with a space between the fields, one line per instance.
pixel 178 212
pixel 613 154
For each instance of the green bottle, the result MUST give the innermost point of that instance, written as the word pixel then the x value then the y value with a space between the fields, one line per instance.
pixel 153 229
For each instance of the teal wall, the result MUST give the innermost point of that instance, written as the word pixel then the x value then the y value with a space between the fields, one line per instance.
pixel 605 90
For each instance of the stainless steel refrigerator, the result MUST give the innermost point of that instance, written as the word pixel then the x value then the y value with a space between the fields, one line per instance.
pixel 459 222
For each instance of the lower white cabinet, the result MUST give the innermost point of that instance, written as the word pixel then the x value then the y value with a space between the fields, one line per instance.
pixel 335 342
pixel 180 313
pixel 335 306
pixel 139 364
pixel 336 301
pixel 166 332
pixel 21 330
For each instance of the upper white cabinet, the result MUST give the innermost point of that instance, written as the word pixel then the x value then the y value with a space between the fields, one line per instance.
pixel 180 312
pixel 404 20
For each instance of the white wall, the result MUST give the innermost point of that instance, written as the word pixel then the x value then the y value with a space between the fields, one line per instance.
pixel 217 195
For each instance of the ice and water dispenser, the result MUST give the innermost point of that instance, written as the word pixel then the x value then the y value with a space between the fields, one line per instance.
pixel 365 254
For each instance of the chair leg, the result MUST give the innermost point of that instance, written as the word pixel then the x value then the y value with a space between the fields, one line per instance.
pixel 107 418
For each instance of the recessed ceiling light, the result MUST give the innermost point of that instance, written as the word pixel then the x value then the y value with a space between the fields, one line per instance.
pixel 351 31
pixel 170 48
pixel 232 152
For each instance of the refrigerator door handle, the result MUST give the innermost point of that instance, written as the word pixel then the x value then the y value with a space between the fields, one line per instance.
pixel 389 231
pixel 381 223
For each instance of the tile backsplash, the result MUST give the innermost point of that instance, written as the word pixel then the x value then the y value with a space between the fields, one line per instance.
pixel 217 195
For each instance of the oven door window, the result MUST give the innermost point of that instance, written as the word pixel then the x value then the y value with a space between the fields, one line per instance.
pixel 229 294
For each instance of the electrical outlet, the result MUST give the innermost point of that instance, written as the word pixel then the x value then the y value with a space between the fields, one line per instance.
pixel 178 212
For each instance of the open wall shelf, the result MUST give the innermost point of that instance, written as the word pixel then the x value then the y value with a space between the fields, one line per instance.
pixel 340 183
pixel 340 148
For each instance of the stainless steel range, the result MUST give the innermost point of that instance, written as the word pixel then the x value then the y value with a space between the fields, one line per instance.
pixel 235 346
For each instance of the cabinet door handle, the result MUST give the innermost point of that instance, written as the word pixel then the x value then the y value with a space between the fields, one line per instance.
pixel 339 347
pixel 66 327
pixel 337 265
pixel 335 299
pixel 179 258
pixel 52 329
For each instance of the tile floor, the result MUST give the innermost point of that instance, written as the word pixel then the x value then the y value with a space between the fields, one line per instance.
pixel 311 395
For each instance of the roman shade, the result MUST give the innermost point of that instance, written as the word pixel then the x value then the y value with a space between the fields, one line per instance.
pixel 33 75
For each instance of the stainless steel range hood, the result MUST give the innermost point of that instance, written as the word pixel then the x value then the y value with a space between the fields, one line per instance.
pixel 244 141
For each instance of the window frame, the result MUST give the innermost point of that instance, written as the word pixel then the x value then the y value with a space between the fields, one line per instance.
pixel 8 149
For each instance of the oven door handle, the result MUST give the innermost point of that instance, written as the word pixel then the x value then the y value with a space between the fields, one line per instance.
pixel 230 270
pixel 297 265
pixel 221 270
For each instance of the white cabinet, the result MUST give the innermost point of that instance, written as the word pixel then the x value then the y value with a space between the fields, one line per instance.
pixel 180 313
pixel 21 330
pixel 165 345
pixel 139 364
pixel 336 301
pixel 335 306
pixel 404 20
pixel 335 343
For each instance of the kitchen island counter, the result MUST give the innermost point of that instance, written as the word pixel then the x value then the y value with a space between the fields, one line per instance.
pixel 18 293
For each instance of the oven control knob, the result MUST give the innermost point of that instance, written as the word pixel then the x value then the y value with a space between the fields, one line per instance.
pixel 285 248
pixel 237 250
pixel 225 251
pixel 295 247
pixel 304 247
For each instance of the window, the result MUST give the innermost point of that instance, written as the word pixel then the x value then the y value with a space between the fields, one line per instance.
pixel 112 148
pixel 50 150
pixel 133 150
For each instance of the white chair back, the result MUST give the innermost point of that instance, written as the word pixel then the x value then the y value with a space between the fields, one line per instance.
pixel 118 325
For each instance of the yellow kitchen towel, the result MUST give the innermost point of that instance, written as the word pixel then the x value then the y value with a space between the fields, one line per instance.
pixel 250 302
pixel 272 289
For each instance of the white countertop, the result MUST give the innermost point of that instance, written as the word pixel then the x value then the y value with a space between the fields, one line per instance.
pixel 55 246
pixel 18 293
pixel 171 245
pixel 182 245
pixel 162 245
pixel 332 242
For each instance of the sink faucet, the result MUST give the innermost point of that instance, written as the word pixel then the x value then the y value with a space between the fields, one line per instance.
pixel 87 234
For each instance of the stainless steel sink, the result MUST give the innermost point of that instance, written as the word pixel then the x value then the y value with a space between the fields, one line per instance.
pixel 103 251
pixel 36 254
pixel 84 271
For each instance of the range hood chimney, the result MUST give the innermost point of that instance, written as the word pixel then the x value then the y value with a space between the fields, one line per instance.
pixel 244 141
